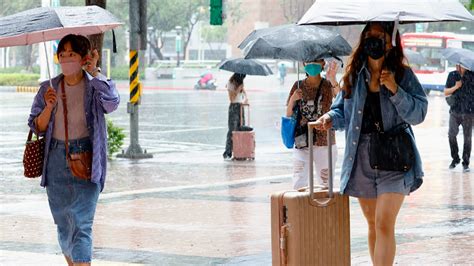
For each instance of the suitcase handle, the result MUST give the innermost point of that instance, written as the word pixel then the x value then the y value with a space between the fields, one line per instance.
pixel 316 201
pixel 242 105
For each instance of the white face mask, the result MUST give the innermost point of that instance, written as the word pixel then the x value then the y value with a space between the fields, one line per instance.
pixel 70 68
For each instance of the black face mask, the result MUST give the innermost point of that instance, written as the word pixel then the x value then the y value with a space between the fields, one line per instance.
pixel 374 47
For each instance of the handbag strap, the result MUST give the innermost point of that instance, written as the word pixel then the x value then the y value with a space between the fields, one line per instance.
pixel 30 135
pixel 63 98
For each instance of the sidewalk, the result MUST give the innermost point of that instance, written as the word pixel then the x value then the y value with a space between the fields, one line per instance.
pixel 228 222
pixel 186 206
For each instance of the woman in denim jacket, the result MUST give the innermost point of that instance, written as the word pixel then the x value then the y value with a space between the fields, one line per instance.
pixel 89 95
pixel 376 78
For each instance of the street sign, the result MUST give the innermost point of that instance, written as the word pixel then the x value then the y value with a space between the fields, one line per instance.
pixel 178 44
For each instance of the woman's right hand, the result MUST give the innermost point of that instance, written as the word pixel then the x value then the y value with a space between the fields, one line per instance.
pixel 50 97
pixel 297 95
pixel 324 122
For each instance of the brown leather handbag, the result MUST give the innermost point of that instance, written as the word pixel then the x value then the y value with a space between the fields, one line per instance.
pixel 33 157
pixel 80 163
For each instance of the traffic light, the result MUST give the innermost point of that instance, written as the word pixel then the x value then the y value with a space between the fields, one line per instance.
pixel 216 12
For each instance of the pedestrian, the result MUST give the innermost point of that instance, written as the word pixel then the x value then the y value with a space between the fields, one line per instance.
pixel 460 87
pixel 74 109
pixel 310 98
pixel 379 92
pixel 282 72
pixel 237 97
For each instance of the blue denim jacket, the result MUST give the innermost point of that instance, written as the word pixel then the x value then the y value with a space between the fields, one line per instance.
pixel 101 98
pixel 409 105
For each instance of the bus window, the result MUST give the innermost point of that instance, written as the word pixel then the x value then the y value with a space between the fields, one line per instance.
pixel 435 62
pixel 468 45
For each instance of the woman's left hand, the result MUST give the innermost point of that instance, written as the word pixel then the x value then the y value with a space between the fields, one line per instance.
pixel 387 78
pixel 331 72
pixel 91 62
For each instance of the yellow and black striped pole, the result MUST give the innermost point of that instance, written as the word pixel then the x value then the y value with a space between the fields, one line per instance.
pixel 135 86
pixel 137 21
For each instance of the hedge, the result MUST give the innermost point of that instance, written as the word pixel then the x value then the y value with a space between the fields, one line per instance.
pixel 121 73
pixel 15 79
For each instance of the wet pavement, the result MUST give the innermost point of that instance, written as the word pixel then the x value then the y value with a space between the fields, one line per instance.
pixel 187 206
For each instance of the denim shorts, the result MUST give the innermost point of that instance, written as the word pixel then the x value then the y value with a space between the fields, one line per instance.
pixel 72 201
pixel 366 182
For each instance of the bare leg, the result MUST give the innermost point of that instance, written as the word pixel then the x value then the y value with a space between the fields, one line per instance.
pixel 368 208
pixel 82 264
pixel 69 261
pixel 388 206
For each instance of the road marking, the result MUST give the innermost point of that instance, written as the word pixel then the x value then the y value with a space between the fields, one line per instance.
pixel 177 188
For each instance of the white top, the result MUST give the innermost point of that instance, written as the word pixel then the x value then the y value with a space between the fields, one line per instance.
pixel 239 96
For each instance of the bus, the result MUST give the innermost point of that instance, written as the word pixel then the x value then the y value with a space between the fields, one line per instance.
pixel 433 71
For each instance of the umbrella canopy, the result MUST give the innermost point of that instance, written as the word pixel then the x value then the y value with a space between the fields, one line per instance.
pixel 460 56
pixel 259 33
pixel 414 57
pixel 245 66
pixel 343 12
pixel 47 23
pixel 294 42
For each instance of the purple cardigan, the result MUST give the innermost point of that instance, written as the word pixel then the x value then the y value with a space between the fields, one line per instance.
pixel 101 98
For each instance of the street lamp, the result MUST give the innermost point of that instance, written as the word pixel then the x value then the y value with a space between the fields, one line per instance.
pixel 150 35
pixel 178 43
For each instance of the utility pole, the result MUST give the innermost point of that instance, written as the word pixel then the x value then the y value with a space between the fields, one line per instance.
pixel 178 44
pixel 138 31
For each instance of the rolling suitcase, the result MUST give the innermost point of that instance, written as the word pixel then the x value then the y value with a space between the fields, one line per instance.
pixel 243 142
pixel 308 227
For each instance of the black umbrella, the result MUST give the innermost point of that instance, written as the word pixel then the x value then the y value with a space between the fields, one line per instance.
pixel 294 42
pixel 245 66
pixel 414 57
pixel 460 56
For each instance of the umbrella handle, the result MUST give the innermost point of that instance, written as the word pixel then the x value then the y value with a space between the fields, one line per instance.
pixel 47 63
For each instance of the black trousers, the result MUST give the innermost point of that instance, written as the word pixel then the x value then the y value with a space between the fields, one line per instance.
pixel 466 121
pixel 234 124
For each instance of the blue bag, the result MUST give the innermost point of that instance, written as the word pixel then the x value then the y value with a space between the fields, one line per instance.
pixel 288 126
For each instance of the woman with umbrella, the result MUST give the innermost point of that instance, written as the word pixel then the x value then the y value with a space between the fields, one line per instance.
pixel 308 100
pixel 71 116
pixel 237 97
pixel 379 93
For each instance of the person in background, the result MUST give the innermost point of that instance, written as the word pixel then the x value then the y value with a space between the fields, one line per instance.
pixel 312 99
pixel 378 92
pixel 88 96
pixel 460 86
pixel 282 72
pixel 237 96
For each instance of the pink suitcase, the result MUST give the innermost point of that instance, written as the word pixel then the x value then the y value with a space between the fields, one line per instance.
pixel 243 142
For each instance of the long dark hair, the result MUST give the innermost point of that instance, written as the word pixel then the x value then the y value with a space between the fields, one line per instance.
pixel 394 60
pixel 237 79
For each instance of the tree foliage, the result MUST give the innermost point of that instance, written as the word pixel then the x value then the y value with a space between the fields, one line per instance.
pixel 166 15
pixel 293 10
pixel 214 34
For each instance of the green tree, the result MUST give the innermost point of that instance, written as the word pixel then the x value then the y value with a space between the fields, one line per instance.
pixel 293 10
pixel 214 34
pixel 165 15
pixel 11 7
pixel 97 40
